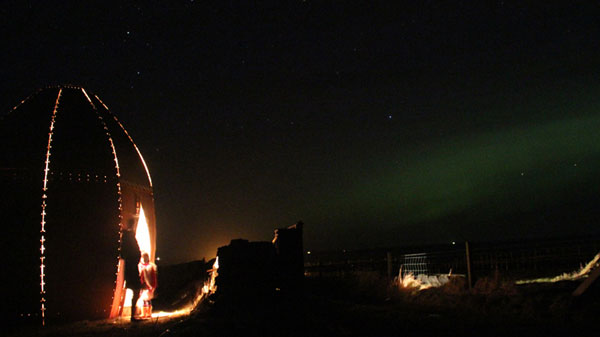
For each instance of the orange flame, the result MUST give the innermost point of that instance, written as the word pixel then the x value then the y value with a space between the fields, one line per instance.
pixel 142 233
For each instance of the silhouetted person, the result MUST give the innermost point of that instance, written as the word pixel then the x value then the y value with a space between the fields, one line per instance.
pixel 130 252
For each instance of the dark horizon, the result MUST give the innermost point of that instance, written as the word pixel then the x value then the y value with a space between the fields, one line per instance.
pixel 374 124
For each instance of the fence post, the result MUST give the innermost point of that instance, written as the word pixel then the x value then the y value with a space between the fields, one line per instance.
pixel 320 268
pixel 468 257
pixel 389 266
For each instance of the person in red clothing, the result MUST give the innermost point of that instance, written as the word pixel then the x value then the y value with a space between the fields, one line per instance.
pixel 149 283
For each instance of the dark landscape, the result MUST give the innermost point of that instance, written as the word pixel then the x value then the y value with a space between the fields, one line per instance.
pixel 363 306
pixel 351 299
pixel 443 158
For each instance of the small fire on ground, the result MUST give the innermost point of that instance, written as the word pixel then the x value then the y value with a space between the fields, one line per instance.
pixel 421 281
pixel 208 289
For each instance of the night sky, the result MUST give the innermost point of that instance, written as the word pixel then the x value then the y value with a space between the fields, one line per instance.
pixel 376 124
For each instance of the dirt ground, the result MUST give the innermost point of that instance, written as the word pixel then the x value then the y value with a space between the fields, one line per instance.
pixel 365 305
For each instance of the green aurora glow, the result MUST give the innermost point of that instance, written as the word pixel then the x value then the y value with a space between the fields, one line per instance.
pixel 481 178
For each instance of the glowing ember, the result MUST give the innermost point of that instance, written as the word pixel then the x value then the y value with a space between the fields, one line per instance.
pixel 170 314
pixel 210 286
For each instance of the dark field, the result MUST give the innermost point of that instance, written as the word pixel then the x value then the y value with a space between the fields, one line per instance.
pixel 362 304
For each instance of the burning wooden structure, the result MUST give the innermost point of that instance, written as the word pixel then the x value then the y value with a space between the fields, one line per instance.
pixel 71 176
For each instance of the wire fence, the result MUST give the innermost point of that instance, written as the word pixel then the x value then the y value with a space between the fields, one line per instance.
pixel 532 258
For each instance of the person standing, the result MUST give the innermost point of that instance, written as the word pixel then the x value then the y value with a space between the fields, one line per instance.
pixel 130 252
pixel 149 283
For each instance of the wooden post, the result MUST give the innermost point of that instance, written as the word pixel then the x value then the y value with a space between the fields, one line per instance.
pixel 468 257
pixel 389 266
pixel 319 268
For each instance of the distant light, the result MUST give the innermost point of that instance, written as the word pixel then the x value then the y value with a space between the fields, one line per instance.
pixel 157 258
pixel 390 116
pixel 453 242
pixel 308 252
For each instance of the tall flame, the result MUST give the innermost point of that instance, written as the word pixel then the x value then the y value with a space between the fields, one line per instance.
pixel 142 233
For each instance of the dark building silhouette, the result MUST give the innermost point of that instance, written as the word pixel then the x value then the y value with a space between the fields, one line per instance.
pixel 289 257
pixel 261 269
pixel 246 269
pixel 70 176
